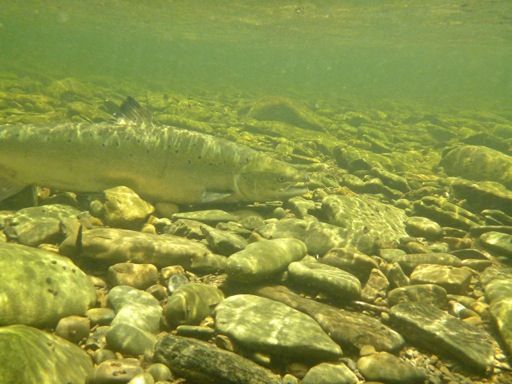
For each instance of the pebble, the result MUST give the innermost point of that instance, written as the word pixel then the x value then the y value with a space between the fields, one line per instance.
pixel 73 328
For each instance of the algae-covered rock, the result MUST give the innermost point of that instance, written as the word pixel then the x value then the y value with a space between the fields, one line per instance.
pixel 28 355
pixel 269 326
pixel 191 303
pixel 263 259
pixel 113 245
pixel 387 368
pixel 479 163
pixel 40 287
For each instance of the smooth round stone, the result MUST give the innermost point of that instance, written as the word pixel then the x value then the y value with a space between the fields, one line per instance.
pixel 422 227
pixel 73 328
pixel 326 373
pixel 142 378
pixel 101 355
pixel 160 372
pixel 115 371
pixel 100 316
pixel 498 242
pixel 385 367
pixel 130 340
pixel 427 293
pixel 139 276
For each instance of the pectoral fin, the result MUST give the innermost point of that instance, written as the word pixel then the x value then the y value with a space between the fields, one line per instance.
pixel 211 197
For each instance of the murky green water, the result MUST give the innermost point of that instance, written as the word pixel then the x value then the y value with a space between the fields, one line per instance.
pixel 437 52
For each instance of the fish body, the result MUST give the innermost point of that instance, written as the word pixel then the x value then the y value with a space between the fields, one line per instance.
pixel 162 164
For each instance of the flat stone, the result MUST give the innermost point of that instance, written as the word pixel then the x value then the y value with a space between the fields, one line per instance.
pixel 352 329
pixel 425 293
pixel 191 303
pixel 223 242
pixel 45 224
pixel 113 245
pixel 210 216
pixel 121 207
pixel 39 287
pixel 437 331
pixel 139 276
pixel 498 242
pixel 28 355
pixel 368 223
pixel 201 362
pixel 261 324
pixel 410 261
pixel 387 368
pixel 327 373
pixel 330 280
pixel 264 259
pixel 453 279
pixel 130 340
pixel 319 237
pixel 356 263
pixel 484 195
pixel 422 227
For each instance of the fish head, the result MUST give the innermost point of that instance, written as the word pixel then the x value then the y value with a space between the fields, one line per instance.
pixel 270 180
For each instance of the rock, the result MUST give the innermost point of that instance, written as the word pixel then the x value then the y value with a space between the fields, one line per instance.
pixel 39 287
pixel 122 207
pixel 478 163
pixel 483 195
pixel 376 286
pixel 136 322
pixel 368 223
pixel 358 264
pixel 115 371
pixel 191 303
pixel 410 261
pixel 300 207
pixel 139 276
pixel 395 275
pixel 264 259
pixel 130 340
pixel 387 368
pixel 271 327
pixel 498 242
pixel 73 328
pixel 160 372
pixel 195 331
pixel 100 316
pixel 135 307
pixel 202 362
pixel 28 355
pixel 113 245
pixel 345 327
pixel 319 237
pixel 423 227
pixel 453 279
pixel 391 180
pixel 330 280
pixel 45 224
pixel 326 373
pixel 223 242
pixel 426 293
pixel 445 213
pixel 287 111
pixel 190 229
pixel 498 291
pixel 69 89
pixel 142 378
pixel 435 330
pixel 210 217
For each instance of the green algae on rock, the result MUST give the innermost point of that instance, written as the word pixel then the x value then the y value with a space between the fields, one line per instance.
pixel 39 287
pixel 28 355
pixel 268 326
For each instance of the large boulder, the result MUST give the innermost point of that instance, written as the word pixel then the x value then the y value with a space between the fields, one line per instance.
pixel 39 287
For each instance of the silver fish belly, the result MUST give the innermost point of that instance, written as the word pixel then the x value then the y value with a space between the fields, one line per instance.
pixel 162 164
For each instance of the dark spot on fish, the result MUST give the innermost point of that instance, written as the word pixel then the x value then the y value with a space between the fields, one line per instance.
pixel 189 162
pixel 199 157
pixel 54 262
pixel 48 280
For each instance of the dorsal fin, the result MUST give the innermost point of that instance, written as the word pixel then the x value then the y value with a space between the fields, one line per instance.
pixel 134 112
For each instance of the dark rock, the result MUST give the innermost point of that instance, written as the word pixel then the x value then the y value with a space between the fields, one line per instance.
pixel 201 362
pixel 352 329
pixel 268 326
pixel 426 293
pixel 435 330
